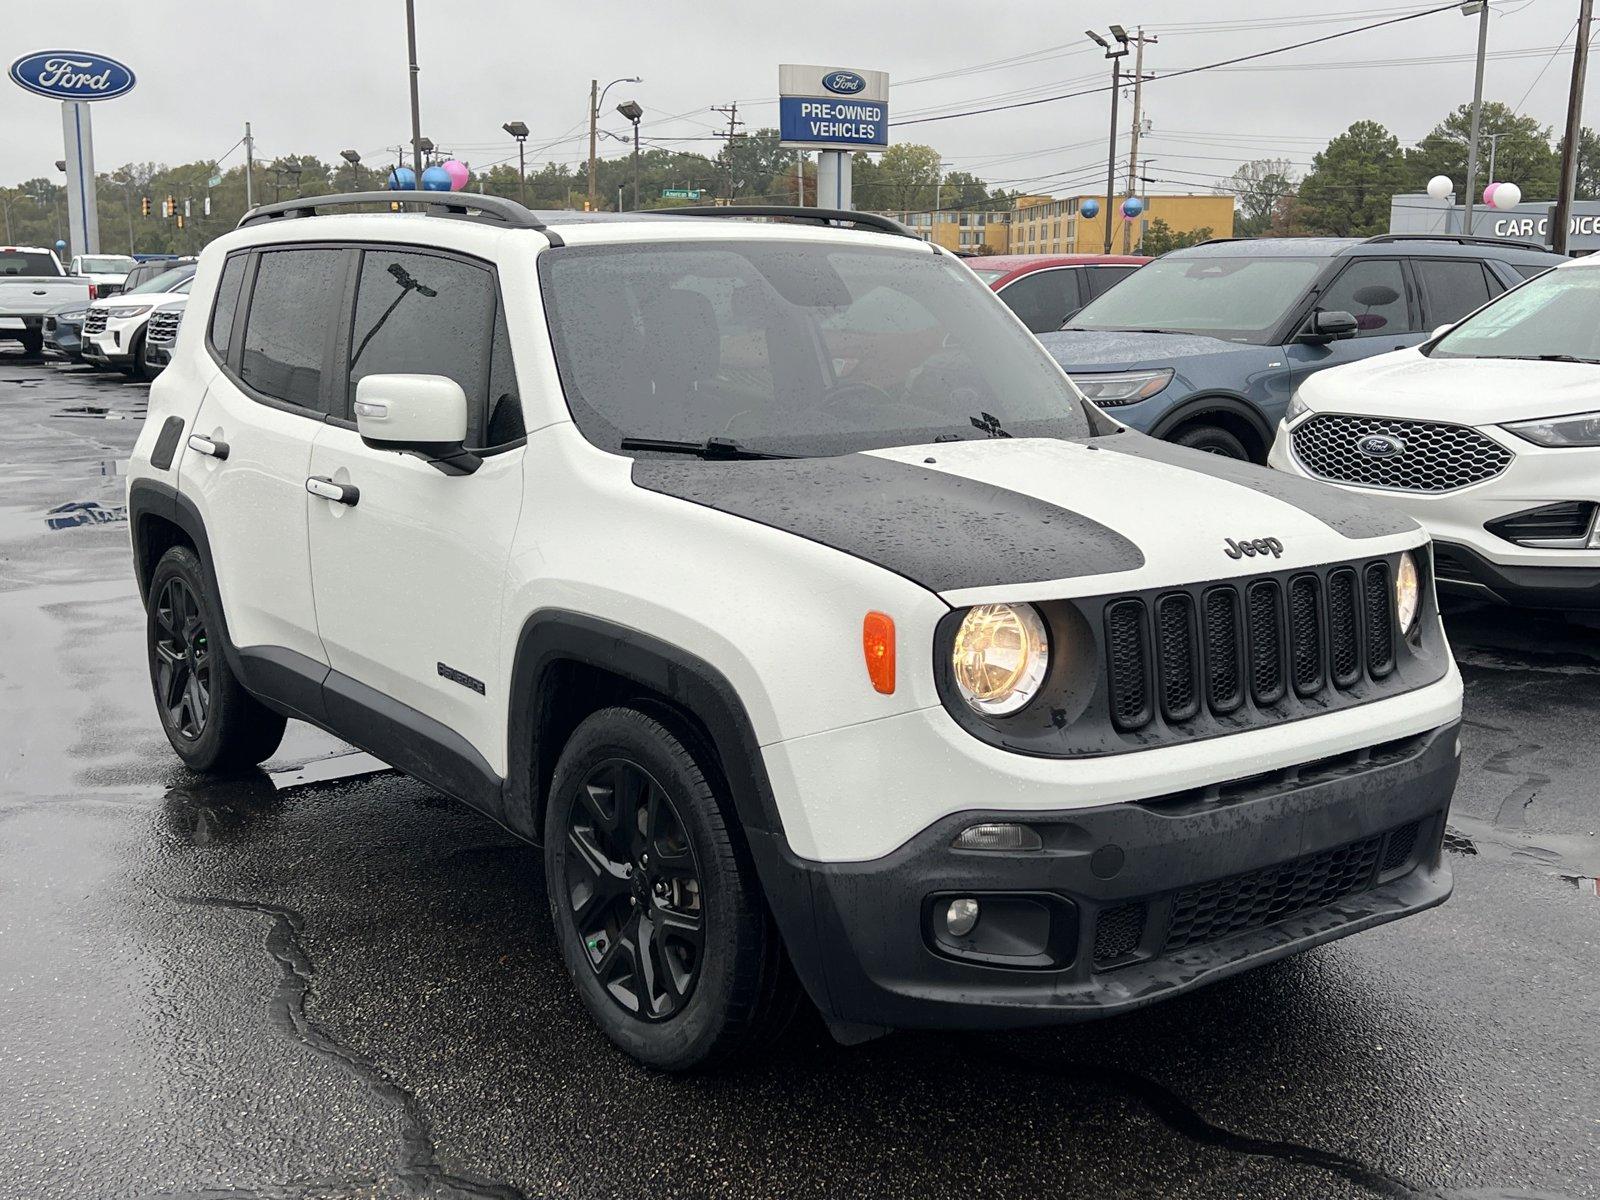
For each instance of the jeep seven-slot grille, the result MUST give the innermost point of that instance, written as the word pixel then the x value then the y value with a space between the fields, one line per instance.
pixel 1266 641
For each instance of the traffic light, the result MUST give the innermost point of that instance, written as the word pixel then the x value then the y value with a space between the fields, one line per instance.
pixel 172 206
pixel 180 220
pixel 144 206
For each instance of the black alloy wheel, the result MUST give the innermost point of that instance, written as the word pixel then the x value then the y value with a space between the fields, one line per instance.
pixel 183 657
pixel 633 888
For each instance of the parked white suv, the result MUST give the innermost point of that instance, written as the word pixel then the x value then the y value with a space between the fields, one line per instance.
pixel 775 580
pixel 114 329
pixel 1488 434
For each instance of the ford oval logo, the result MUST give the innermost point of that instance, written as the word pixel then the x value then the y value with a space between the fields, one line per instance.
pixel 1380 445
pixel 844 83
pixel 72 75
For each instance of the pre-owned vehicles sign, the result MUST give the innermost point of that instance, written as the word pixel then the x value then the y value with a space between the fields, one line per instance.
pixel 72 75
pixel 833 108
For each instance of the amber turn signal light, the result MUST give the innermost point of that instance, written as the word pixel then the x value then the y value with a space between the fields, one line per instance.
pixel 877 643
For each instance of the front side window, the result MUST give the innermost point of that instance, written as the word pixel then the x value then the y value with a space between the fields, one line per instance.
pixel 1043 299
pixel 1102 279
pixel 795 348
pixel 1373 291
pixel 293 307
pixel 1238 299
pixel 1555 316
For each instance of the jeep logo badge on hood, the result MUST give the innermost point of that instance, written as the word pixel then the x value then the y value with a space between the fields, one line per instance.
pixel 1249 549
pixel 843 83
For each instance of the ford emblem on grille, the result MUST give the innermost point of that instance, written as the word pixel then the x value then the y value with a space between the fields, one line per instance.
pixel 844 83
pixel 1380 445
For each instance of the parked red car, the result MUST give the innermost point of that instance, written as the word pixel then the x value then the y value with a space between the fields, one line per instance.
pixel 1043 289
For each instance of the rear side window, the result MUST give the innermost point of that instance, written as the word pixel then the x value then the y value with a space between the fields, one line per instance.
pixel 1102 279
pixel 294 303
pixel 1373 291
pixel 226 305
pixel 1451 288
pixel 1044 298
pixel 428 315
pixel 1529 272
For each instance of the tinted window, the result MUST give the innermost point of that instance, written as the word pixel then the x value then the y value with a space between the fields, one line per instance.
pixel 1043 299
pixel 226 303
pixel 1373 291
pixel 293 306
pixel 165 282
pixel 1451 289
pixel 1530 272
pixel 700 340
pixel 1102 279
pixel 1241 299
pixel 20 262
pixel 505 404
pixel 421 314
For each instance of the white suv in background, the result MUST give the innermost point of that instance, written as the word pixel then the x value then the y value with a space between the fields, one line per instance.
pixel 114 329
pixel 161 330
pixel 776 581
pixel 1488 433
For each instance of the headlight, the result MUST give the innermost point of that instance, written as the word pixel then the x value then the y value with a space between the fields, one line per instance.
pixel 1407 592
pixel 1000 656
pixel 1582 430
pixel 1297 409
pixel 1123 387
pixel 128 310
pixel 79 315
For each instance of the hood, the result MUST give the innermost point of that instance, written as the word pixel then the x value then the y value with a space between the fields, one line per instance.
pixel 169 303
pixel 1466 391
pixel 1031 518
pixel 1101 350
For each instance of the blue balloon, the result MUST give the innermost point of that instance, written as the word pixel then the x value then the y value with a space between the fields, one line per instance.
pixel 402 179
pixel 436 179
pixel 61 244
pixel 1132 207
pixel 1090 208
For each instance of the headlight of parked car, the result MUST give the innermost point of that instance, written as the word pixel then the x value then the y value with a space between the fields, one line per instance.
pixel 1581 430
pixel 1407 592
pixel 76 315
pixel 1122 387
pixel 128 310
pixel 1000 655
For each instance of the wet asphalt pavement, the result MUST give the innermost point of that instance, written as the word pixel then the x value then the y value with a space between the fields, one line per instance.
pixel 325 980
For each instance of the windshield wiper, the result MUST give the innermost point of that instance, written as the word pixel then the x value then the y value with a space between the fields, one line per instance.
pixel 718 449
pixel 1566 358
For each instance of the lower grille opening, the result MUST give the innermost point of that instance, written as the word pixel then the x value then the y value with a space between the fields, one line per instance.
pixel 1118 932
pixel 1570 520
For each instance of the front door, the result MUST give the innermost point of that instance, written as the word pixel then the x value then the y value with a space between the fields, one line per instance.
pixel 1376 293
pixel 409 578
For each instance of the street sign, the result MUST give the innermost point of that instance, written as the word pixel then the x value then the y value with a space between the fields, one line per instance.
pixel 680 193
pixel 833 108
pixel 214 181
pixel 72 75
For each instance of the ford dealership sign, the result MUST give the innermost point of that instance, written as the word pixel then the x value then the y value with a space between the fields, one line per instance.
pixel 844 83
pixel 832 108
pixel 72 75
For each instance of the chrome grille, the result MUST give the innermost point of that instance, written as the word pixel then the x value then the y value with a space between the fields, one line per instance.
pixel 1434 456
pixel 163 326
pixel 95 322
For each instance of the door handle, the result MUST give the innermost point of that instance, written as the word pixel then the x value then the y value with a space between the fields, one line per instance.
pixel 339 493
pixel 204 445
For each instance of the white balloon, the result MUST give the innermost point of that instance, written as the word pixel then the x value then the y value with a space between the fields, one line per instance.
pixel 1440 186
pixel 1507 195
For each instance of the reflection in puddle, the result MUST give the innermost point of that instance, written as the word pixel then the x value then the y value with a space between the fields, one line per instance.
pixel 328 770
pixel 84 512
pixel 1585 884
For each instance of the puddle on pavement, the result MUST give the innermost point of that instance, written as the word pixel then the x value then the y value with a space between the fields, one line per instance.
pixel 1585 884
pixel 100 413
pixel 329 770
pixel 1569 857
pixel 79 513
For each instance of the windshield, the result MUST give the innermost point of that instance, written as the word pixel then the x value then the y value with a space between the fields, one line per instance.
pixel 110 265
pixel 163 282
pixel 794 348
pixel 22 262
pixel 1554 315
pixel 1240 299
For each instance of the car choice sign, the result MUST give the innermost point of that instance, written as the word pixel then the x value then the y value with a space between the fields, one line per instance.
pixel 833 108
pixel 72 75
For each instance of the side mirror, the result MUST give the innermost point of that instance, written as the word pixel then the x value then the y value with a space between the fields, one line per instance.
pixel 1324 327
pixel 424 415
pixel 1439 332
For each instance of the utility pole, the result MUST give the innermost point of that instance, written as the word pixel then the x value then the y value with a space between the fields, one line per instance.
pixel 594 134
pixel 1139 40
pixel 249 168
pixel 1482 10
pixel 1569 145
pixel 416 108
pixel 731 111
pixel 1114 53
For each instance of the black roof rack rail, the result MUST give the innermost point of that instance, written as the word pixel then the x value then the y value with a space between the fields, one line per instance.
pixel 822 216
pixel 462 205
pixel 1462 239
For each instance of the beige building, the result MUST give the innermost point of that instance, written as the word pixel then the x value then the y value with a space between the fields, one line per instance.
pixel 963 231
pixel 1048 225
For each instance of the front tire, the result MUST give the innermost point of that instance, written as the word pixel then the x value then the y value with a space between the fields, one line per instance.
pixel 1213 439
pixel 656 906
pixel 211 721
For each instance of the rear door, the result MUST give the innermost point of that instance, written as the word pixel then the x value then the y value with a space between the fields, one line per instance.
pixel 409 578
pixel 1042 299
pixel 271 329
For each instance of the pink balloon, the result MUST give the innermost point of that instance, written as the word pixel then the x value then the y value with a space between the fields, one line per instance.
pixel 459 174
pixel 1488 193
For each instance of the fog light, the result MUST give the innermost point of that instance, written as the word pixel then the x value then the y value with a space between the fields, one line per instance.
pixel 961 918
pixel 998 837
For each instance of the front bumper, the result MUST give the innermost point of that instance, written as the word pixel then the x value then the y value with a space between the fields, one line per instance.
pixel 1462 571
pixel 1127 903
pixel 104 348
pixel 158 354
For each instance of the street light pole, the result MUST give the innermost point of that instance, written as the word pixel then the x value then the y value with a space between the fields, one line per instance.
pixel 632 110
pixel 1114 53
pixel 519 131
pixel 1569 146
pixel 597 97
pixel 416 108
pixel 1477 103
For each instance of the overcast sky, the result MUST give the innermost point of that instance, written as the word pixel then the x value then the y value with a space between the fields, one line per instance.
pixel 321 77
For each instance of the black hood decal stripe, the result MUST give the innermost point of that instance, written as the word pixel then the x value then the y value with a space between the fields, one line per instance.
pixel 1340 511
pixel 940 530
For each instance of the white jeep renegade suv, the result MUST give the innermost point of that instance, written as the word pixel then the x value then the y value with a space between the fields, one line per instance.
pixel 775 580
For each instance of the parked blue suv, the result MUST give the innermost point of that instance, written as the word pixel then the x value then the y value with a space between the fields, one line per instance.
pixel 1205 345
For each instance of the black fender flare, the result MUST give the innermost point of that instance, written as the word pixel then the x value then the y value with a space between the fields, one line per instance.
pixel 1199 406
